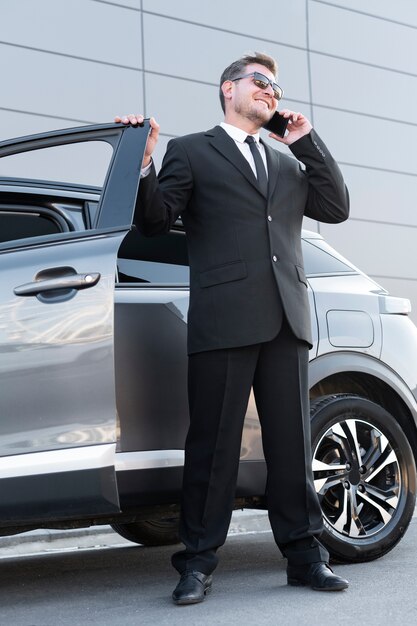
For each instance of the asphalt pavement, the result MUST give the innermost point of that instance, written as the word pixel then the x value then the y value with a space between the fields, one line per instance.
pixel 99 578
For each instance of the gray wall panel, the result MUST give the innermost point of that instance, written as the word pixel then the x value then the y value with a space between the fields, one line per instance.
pixel 366 39
pixel 367 141
pixel 363 88
pixel 400 11
pixel 131 4
pixel 19 124
pixel 382 249
pixel 202 54
pixel 81 28
pixel 176 104
pixel 381 196
pixel 268 23
pixel 56 85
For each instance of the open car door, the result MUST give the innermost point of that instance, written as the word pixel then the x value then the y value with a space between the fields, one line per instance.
pixel 58 422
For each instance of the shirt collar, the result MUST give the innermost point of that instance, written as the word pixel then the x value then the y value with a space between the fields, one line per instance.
pixel 237 133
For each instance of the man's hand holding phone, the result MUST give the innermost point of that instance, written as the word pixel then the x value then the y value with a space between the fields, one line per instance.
pixel 153 135
pixel 289 128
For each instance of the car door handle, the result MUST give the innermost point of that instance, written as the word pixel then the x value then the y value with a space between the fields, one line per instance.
pixel 73 281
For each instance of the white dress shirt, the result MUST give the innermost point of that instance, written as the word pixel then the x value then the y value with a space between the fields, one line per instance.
pixel 239 136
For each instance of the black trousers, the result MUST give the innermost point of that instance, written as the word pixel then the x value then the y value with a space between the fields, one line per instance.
pixel 219 386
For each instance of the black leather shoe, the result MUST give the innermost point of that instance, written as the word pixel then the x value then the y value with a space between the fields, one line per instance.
pixel 319 576
pixel 192 588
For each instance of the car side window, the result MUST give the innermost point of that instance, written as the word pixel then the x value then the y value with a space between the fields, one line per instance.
pixel 63 163
pixel 44 191
pixel 161 260
pixel 39 214
pixel 20 223
pixel 321 260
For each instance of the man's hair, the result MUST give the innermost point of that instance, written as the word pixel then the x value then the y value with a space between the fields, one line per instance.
pixel 238 67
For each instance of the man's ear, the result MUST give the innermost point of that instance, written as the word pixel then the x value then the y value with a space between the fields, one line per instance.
pixel 227 89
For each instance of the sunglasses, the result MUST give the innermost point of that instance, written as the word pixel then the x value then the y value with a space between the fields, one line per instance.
pixel 262 82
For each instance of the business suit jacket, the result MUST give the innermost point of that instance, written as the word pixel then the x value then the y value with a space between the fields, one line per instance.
pixel 246 264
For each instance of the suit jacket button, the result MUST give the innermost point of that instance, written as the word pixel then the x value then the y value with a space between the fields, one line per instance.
pixel 269 218
pixel 275 258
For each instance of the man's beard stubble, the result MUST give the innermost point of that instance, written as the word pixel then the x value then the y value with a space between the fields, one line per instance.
pixel 253 114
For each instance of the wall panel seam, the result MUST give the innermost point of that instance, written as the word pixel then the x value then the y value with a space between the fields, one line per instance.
pixel 142 28
pixel 363 114
pixel 376 168
pixel 384 277
pixel 46 115
pixel 310 79
pixel 382 222
pixel 385 68
pixel 309 73
pixel 116 4
pixel 373 15
pixel 70 56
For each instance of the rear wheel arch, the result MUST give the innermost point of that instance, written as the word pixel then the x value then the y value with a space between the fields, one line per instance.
pixel 365 376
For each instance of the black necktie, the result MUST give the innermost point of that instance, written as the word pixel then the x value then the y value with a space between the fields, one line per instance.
pixel 259 164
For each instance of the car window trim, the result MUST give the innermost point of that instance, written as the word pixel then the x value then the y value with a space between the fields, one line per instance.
pixel 50 240
pixel 330 274
pixel 181 286
pixel 49 190
pixel 109 133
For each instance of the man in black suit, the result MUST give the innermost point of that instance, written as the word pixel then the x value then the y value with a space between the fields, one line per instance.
pixel 242 205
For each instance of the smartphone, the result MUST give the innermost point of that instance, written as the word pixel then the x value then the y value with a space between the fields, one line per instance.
pixel 277 124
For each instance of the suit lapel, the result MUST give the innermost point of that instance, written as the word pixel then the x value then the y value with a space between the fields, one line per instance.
pixel 273 161
pixel 224 144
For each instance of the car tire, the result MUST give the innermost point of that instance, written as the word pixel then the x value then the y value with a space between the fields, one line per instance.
pixel 364 474
pixel 161 532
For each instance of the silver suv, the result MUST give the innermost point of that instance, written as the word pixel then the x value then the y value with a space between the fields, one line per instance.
pixel 93 362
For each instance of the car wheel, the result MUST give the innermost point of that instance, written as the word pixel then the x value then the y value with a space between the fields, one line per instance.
pixel 364 474
pixel 161 532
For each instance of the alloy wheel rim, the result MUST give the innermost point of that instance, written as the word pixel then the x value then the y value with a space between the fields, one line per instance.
pixel 357 476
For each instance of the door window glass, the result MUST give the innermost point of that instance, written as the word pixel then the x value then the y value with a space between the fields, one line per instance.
pixel 321 260
pixel 22 225
pixel 83 163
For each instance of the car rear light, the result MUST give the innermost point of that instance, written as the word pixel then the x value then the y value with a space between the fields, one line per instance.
pixel 394 306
